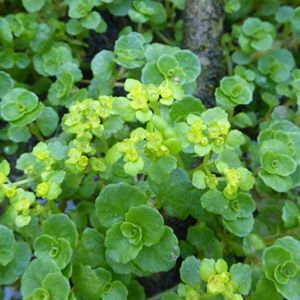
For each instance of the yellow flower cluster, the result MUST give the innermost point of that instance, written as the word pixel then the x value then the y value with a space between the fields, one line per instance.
pixel 144 96
pixel 217 276
pixel 87 116
pixel 206 137
pixel 233 177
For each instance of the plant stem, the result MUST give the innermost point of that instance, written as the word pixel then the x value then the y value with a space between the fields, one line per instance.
pixel 159 296
pixel 155 108
pixel 179 161
pixel 164 38
pixel 119 84
pixel 36 132
pixel 269 240
pixel 202 166
pixel 85 81
pixel 24 181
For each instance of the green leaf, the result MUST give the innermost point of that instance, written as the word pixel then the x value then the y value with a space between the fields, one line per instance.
pixel 175 193
pixel 160 169
pixel 18 134
pixel 155 50
pixel 33 5
pixel 149 220
pixel 115 200
pixel 92 20
pixel 29 117
pixel 265 289
pixel 240 227
pixel 5 167
pixel 6 34
pixel 151 74
pixel 59 249
pixel 79 9
pixel 91 249
pixel 57 286
pixel 200 236
pixel 10 112
pixel 240 207
pixel 74 27
pixel 87 283
pixel 190 271
pixel 13 270
pixel 199 180
pixel 118 247
pixel 167 65
pixel 122 108
pixel 180 4
pixel 189 63
pixel 272 257
pixel 7 245
pixel 278 183
pixel 134 168
pixel 160 257
pixel 103 65
pixel 214 202
pixel 296 19
pixel 290 214
pixel 23 102
pixel 119 7
pixel 188 105
pixel 6 83
pixel 61 226
pixel 117 291
pixel 130 50
pixel 6 58
pixel 277 64
pixel 292 245
pixel 233 90
pixel 247 180
pixel 241 274
pixel 48 121
pixel 213 115
pixel 234 139
pixel 207 269
pixel 35 273
pixel 278 164
pixel 290 290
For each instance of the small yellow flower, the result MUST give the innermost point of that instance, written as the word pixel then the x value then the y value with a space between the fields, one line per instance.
pixel 42 189
pixel 83 161
pixel 10 192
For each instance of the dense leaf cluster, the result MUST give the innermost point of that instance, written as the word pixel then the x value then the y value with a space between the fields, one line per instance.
pixel 100 151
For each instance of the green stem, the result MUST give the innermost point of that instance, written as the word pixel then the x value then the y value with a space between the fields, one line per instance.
pixel 85 81
pixel 179 161
pixel 203 165
pixel 155 107
pixel 36 132
pixel 269 240
pixel 120 73
pixel 104 144
pixel 24 181
pixel 78 43
pixel 119 84
pixel 228 62
pixel 140 28
pixel 164 38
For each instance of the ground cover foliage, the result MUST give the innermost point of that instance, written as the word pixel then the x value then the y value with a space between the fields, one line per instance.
pixel 114 175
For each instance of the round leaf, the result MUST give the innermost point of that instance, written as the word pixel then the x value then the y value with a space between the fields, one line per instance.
pixel 7 245
pixel 149 220
pixel 115 200
pixel 160 257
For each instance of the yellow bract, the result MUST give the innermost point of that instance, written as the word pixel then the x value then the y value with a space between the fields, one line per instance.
pixel 42 189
